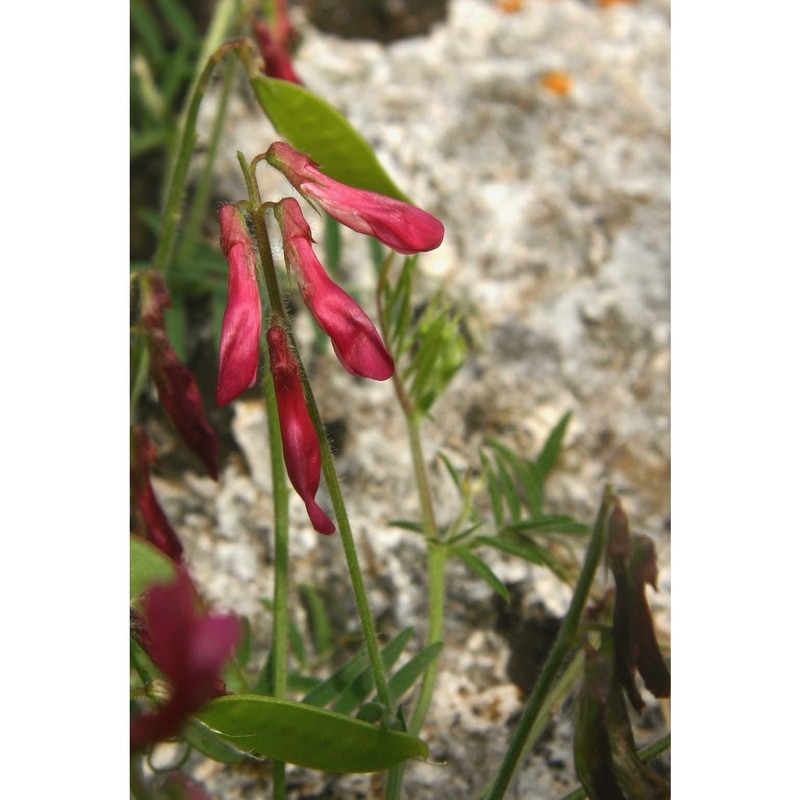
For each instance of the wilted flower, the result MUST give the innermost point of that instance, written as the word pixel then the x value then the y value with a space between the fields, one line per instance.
pixel 633 563
pixel 152 521
pixel 301 451
pixel 275 42
pixel 356 342
pixel 403 227
pixel 177 389
pixel 241 325
pixel 606 760
pixel 189 647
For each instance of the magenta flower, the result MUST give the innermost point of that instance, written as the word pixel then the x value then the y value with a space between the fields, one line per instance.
pixel 403 227
pixel 241 325
pixel 177 389
pixel 301 451
pixel 151 520
pixel 356 342
pixel 190 648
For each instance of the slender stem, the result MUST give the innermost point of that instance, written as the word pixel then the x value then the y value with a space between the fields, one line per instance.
pixel 645 754
pixel 557 653
pixel 188 134
pixel 142 361
pixel 350 552
pixel 203 191
pixel 436 554
pixel 280 612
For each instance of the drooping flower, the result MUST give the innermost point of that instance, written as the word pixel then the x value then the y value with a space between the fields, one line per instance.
pixel 275 43
pixel 401 226
pixel 241 324
pixel 356 342
pixel 301 451
pixel 177 389
pixel 189 647
pixel 633 563
pixel 151 521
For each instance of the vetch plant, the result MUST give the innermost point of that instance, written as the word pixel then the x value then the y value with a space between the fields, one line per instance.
pixel 191 678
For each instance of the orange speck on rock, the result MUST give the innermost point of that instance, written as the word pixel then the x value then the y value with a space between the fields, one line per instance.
pixel 510 6
pixel 607 3
pixel 557 82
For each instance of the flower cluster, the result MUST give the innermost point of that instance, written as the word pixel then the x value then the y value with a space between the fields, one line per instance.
pixel 355 340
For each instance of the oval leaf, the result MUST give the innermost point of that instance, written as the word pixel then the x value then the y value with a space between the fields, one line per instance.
pixel 148 566
pixel 306 735
pixel 315 127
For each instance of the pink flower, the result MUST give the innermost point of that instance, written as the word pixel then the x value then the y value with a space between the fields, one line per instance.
pixel 355 341
pixel 241 325
pixel 398 225
pixel 275 42
pixel 177 389
pixel 190 648
pixel 151 519
pixel 301 451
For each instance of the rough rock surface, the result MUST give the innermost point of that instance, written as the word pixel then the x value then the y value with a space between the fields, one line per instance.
pixel 557 215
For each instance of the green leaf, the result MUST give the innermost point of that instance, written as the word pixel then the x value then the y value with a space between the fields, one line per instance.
pixel 351 671
pixel 318 618
pixel 549 523
pixel 407 675
pixel 148 565
pixel 315 127
pixel 359 690
pixel 322 694
pixel 206 741
pixel 552 447
pixel 306 735
pixel 493 488
pixel 529 552
pixel 407 525
pixel 482 570
pixel 455 476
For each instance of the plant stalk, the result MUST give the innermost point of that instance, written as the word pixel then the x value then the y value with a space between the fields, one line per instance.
pixel 558 652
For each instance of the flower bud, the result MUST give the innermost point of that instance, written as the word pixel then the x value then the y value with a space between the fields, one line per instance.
pixel 274 42
pixel 356 342
pixel 177 389
pixel 241 324
pixel 301 451
pixel 401 226
pixel 152 522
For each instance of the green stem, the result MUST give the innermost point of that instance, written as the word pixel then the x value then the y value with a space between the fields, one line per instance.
pixel 280 606
pixel 350 552
pixel 436 554
pixel 203 191
pixel 558 652
pixel 187 136
pixel 645 754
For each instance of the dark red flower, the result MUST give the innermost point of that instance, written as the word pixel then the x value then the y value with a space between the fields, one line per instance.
pixel 189 647
pixel 177 389
pixel 301 451
pixel 152 522
pixel 401 226
pixel 356 342
pixel 241 325
pixel 275 42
